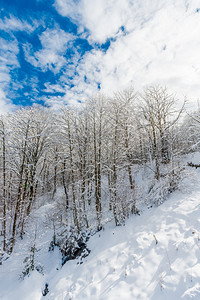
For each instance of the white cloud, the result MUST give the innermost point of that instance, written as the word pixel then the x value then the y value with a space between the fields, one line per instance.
pixel 8 60
pixel 104 18
pixel 5 104
pixel 14 24
pixel 9 50
pixel 160 44
pixel 53 88
pixel 54 45
pixel 68 8
pixel 55 40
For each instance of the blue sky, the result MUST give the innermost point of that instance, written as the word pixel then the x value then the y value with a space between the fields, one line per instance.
pixel 32 26
pixel 64 51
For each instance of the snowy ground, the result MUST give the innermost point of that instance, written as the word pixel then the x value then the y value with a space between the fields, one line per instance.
pixel 154 256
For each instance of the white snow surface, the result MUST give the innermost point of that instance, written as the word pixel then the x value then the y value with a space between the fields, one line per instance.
pixel 154 256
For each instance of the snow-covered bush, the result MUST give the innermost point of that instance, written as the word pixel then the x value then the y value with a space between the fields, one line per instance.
pixel 30 263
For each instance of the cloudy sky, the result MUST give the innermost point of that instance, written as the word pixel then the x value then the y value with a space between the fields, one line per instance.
pixel 63 51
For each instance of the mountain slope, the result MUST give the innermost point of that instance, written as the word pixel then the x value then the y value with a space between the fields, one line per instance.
pixel 154 256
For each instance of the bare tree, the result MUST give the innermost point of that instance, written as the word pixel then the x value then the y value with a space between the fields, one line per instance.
pixel 160 114
pixel 3 140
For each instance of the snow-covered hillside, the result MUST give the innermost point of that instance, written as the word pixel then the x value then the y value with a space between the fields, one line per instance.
pixel 154 256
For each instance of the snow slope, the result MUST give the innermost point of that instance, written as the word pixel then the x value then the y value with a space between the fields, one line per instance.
pixel 154 256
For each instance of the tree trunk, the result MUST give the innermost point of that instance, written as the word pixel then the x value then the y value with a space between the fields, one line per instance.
pixel 75 213
pixel 65 186
pixel 4 189
pixel 19 193
pixel 97 177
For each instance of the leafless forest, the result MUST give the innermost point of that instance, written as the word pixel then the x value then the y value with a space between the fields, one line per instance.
pixel 93 155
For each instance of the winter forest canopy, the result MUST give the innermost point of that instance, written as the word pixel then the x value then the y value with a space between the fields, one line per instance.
pixel 87 160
